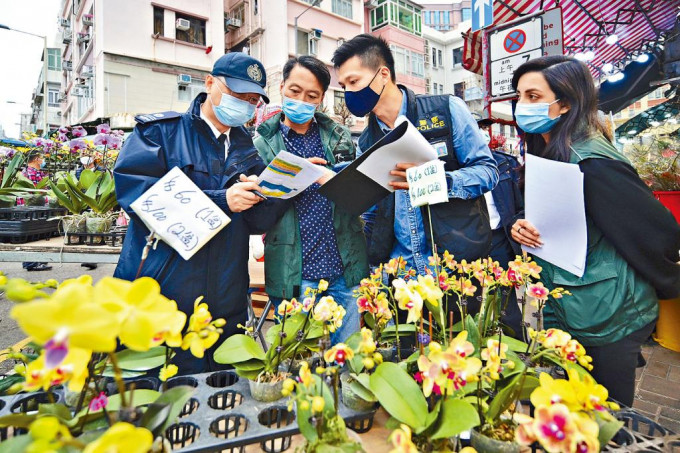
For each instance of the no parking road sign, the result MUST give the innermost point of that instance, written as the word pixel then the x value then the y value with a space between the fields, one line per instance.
pixel 509 48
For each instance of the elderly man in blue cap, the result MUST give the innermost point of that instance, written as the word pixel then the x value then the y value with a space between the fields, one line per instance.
pixel 211 146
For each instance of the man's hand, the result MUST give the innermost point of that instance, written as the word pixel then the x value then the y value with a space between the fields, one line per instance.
pixel 240 196
pixel 327 172
pixel 400 171
pixel 526 234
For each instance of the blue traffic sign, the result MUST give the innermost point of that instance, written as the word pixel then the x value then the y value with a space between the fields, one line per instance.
pixel 482 14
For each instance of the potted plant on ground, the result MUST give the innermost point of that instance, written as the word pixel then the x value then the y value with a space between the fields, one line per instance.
pixel 301 326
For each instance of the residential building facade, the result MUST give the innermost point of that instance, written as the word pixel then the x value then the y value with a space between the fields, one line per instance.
pixel 123 58
pixel 321 28
pixel 446 16
pixel 400 23
pixel 50 100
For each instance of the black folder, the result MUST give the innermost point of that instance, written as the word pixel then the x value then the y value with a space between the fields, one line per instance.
pixel 352 190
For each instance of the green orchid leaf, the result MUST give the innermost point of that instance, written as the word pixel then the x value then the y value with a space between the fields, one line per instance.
pixel 238 348
pixel 361 386
pixel 432 417
pixel 608 429
pixel 515 390
pixel 176 397
pixel 17 443
pixel 60 411
pixel 9 381
pixel 125 374
pixel 455 417
pixel 17 420
pixel 155 416
pixel 140 397
pixel 514 344
pixel 474 336
pixel 141 360
pixel 399 394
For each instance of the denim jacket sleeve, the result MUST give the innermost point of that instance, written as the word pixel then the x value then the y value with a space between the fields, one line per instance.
pixel 478 173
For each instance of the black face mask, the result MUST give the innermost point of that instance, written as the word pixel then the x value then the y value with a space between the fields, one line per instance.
pixel 363 101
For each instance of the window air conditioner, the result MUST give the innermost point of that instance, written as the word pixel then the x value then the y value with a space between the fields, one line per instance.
pixel 182 24
pixel 183 79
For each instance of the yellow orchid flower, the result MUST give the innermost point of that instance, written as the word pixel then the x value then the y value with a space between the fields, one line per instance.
pixel 429 290
pixel 339 354
pixel 367 345
pixel 408 298
pixel 323 285
pixel 167 372
pixel 71 311
pixel 147 317
pixel 72 369
pixel 47 434
pixel 401 440
pixel 122 437
pixel 305 374
pixel 554 391
pixel 203 332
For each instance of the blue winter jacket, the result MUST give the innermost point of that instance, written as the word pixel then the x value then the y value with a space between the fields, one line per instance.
pixel 219 271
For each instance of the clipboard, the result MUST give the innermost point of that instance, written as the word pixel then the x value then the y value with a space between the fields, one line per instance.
pixel 351 189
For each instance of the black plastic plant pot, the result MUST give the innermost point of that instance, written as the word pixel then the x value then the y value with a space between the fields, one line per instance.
pixel 190 407
pixel 222 379
pixel 641 424
pixel 276 417
pixel 225 399
pixel 182 380
pixel 182 434
pixel 31 403
pixel 229 426
pixel 142 383
pixel 362 425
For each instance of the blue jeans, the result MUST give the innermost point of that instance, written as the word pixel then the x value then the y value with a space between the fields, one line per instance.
pixel 343 296
pixel 337 288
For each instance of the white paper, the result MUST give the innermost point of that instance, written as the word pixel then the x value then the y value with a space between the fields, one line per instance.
pixel 411 147
pixel 180 213
pixel 427 183
pixel 288 175
pixel 554 204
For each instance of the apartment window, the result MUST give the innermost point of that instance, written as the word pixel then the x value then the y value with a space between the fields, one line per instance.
pixel 441 89
pixel 53 97
pixel 434 57
pixel 343 8
pixel 408 62
pixel 196 32
pixel 397 13
pixel 434 88
pixel 256 7
pixel 338 98
pixel 467 13
pixel 306 45
pixel 457 56
pixel 439 57
pixel 54 59
pixel 459 89
pixel 158 21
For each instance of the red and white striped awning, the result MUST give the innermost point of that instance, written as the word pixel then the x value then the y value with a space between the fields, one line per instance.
pixel 638 24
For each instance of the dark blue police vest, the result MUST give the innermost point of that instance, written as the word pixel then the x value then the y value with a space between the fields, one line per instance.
pixel 459 226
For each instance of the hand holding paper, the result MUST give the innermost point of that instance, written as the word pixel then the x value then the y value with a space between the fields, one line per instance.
pixel 288 175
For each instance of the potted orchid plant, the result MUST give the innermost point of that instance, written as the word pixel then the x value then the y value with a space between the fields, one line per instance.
pixel 301 326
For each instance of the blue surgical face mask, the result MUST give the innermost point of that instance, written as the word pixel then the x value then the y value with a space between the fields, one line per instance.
pixel 363 101
pixel 297 111
pixel 534 118
pixel 232 111
pixel 42 164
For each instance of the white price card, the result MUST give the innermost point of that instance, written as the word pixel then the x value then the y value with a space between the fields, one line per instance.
pixel 427 183
pixel 180 213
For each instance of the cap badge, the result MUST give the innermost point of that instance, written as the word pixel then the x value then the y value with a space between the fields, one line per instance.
pixel 254 72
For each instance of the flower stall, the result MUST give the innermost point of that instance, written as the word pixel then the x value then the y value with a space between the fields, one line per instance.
pixel 98 375
pixel 72 193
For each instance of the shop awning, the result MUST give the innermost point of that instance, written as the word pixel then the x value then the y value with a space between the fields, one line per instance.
pixel 640 26
pixel 663 115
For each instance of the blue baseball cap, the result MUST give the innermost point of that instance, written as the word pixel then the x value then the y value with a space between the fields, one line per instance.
pixel 243 73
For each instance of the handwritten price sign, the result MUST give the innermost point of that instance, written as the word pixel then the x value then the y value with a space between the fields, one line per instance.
pixel 180 213
pixel 427 183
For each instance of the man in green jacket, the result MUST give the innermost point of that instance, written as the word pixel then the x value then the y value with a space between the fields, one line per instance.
pixel 314 239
